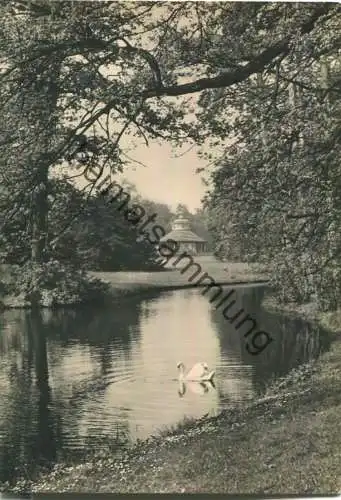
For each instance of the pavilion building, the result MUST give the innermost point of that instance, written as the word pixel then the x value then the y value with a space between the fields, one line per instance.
pixel 187 240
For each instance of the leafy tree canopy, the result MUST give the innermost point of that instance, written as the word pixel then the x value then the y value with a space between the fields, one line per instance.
pixel 78 76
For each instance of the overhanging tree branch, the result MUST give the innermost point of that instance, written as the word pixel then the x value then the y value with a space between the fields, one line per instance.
pixel 240 74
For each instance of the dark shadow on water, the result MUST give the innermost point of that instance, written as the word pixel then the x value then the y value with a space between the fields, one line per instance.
pixel 295 341
pixel 30 428
pixel 34 423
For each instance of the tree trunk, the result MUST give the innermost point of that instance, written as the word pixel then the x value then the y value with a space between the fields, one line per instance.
pixel 46 94
pixel 39 216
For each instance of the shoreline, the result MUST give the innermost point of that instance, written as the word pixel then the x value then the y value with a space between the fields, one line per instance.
pixel 124 283
pixel 294 429
pixel 117 292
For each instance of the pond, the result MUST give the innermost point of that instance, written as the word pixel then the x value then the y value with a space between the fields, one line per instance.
pixel 72 381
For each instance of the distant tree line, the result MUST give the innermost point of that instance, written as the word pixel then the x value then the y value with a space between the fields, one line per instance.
pixel 89 232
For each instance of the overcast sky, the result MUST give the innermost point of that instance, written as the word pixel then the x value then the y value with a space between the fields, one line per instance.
pixel 169 176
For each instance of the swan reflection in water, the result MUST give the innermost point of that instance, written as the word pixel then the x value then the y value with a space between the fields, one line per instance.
pixel 200 388
pixel 198 380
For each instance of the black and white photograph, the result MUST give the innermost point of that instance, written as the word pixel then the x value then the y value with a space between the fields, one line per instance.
pixel 170 247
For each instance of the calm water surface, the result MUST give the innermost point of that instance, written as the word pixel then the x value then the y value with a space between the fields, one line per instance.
pixel 73 381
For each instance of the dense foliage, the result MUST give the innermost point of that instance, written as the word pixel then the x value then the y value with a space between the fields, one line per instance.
pixel 87 232
pixel 51 283
pixel 100 238
pixel 276 190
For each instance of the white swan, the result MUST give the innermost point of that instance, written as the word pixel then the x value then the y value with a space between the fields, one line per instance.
pixel 198 373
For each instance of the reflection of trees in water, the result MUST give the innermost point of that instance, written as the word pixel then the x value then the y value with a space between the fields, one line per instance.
pixel 12 323
pixel 235 383
pixel 99 329
pixel 45 444
pixel 30 430
pixel 34 424
pixel 105 332
pixel 294 342
pixel 98 325
pixel 231 341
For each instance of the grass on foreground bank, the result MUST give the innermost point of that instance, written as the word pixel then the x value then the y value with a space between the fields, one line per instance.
pixel 287 442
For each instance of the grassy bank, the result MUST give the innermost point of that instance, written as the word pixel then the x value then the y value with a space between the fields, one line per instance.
pixel 287 442
pixel 122 283
pixel 222 272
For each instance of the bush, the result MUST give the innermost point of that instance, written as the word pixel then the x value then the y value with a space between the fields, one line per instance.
pixel 54 283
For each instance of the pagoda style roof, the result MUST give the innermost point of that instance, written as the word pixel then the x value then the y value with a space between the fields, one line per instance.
pixel 185 235
pixel 181 230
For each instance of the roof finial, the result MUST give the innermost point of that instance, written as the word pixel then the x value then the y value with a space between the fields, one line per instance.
pixel 181 210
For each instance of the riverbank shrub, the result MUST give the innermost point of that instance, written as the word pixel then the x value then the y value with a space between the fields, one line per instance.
pixel 54 283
